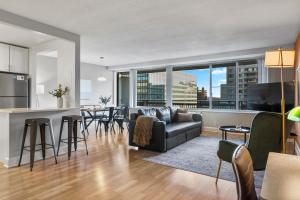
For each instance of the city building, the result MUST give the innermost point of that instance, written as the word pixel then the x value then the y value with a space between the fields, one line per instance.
pixel 184 89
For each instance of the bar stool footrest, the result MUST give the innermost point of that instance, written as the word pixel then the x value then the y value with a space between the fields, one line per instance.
pixel 48 146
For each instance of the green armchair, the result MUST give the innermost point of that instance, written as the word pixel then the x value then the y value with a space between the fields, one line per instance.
pixel 265 137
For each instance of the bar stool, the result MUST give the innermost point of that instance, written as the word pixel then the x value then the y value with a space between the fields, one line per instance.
pixel 72 121
pixel 33 124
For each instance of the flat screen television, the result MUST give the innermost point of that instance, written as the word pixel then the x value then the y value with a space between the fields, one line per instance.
pixel 267 96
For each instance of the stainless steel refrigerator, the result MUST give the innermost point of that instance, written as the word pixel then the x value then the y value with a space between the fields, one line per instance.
pixel 14 90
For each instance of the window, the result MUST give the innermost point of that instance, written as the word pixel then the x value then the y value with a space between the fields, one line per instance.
pixel 247 74
pixel 123 88
pixel 191 87
pixel 85 91
pixel 151 88
pixel 224 86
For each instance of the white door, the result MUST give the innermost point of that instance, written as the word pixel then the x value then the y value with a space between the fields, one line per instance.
pixel 18 60
pixel 4 57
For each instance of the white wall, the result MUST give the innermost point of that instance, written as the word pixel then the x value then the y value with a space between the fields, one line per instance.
pixel 212 120
pixel 46 74
pixel 66 68
pixel 92 72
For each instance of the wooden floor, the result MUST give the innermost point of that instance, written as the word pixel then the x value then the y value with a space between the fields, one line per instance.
pixel 110 171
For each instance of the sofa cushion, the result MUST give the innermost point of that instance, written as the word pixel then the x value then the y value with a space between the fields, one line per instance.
pixel 185 117
pixel 163 114
pixel 173 110
pixel 147 112
pixel 175 129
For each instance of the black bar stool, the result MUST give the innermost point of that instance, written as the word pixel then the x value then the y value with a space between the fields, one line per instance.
pixel 72 120
pixel 33 124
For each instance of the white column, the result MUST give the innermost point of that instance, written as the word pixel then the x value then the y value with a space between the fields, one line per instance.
pixel 132 88
pixel 237 98
pixel 169 85
pixel 114 94
pixel 262 71
pixel 210 86
pixel 76 77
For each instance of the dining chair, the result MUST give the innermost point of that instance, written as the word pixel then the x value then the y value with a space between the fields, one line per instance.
pixel 121 117
pixel 107 121
pixel 86 119
pixel 244 174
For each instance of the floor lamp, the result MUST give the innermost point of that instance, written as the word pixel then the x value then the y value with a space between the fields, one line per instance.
pixel 281 58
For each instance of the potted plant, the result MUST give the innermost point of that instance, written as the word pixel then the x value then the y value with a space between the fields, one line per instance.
pixel 104 100
pixel 59 93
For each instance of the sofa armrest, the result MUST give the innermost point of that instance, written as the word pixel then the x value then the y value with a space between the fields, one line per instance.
pixel 226 149
pixel 133 116
pixel 159 137
pixel 197 117
pixel 158 140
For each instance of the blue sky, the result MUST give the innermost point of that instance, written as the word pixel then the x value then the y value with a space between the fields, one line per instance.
pixel 218 78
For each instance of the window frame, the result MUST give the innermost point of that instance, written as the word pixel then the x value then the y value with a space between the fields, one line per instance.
pixel 259 62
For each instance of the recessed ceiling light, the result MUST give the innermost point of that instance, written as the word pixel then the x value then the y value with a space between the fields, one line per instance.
pixel 101 79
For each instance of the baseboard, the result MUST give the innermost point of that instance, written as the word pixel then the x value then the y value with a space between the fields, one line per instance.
pixel 210 129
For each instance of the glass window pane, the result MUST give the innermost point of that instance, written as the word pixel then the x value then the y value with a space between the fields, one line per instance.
pixel 151 88
pixel 248 74
pixel 224 86
pixel 191 88
pixel 85 91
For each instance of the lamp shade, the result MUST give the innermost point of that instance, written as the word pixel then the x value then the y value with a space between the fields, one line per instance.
pixel 294 114
pixel 280 57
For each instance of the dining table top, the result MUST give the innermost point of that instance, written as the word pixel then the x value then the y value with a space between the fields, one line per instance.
pixel 98 109
pixel 282 177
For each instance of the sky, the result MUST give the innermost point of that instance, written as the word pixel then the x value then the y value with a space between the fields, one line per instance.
pixel 218 78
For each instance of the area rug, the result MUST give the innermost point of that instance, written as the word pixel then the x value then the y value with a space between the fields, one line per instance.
pixel 200 156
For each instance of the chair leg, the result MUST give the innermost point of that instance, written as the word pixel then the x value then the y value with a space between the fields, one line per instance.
pixel 43 140
pixel 112 127
pixel 97 127
pixel 23 142
pixel 70 130
pixel 75 134
pixel 60 133
pixel 218 172
pixel 84 138
pixel 33 130
pixel 52 140
pixel 106 127
pixel 85 126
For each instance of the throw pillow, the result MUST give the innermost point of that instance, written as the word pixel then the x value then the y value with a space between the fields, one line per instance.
pixel 151 112
pixel 185 117
pixel 163 114
pixel 179 110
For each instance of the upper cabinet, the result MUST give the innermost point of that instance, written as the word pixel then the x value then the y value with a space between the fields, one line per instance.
pixel 18 60
pixel 4 57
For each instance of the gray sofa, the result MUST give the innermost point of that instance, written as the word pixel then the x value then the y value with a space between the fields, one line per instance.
pixel 167 132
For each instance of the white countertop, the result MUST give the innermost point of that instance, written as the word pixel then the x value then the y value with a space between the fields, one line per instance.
pixel 31 110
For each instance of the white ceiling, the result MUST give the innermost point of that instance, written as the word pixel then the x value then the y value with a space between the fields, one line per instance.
pixel 20 36
pixel 133 31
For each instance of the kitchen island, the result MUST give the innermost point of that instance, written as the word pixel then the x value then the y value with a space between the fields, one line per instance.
pixel 11 131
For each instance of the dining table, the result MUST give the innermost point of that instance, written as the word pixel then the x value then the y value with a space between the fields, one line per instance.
pixel 92 113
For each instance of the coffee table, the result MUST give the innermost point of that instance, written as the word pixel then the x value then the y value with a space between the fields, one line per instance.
pixel 233 129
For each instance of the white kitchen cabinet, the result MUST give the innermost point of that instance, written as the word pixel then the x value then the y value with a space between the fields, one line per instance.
pixel 4 57
pixel 18 59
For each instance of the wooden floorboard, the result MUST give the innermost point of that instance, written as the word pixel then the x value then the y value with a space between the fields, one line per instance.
pixel 112 170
